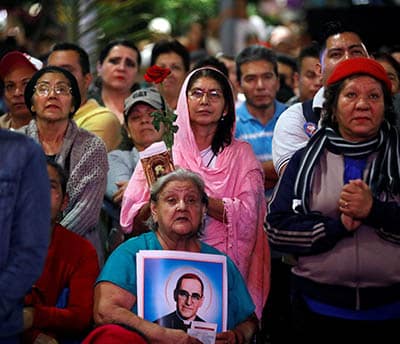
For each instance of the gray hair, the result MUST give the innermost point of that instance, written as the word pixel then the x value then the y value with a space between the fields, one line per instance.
pixel 179 174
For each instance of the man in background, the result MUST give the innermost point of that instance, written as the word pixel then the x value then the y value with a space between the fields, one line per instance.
pixel 16 69
pixel 309 74
pixel 257 72
pixel 288 76
pixel 293 129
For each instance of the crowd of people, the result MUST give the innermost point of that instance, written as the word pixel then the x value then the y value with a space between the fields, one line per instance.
pixel 286 163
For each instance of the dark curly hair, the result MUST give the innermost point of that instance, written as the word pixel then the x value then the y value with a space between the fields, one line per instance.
pixel 331 95
pixel 30 87
pixel 224 132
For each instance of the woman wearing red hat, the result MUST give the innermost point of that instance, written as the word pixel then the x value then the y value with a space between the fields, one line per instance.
pixel 337 209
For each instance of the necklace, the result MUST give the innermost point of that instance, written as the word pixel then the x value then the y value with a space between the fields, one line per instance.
pixel 213 156
pixel 207 155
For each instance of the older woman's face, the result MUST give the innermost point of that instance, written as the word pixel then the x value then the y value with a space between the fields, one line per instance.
pixel 52 99
pixel 140 126
pixel 179 210
pixel 206 103
pixel 119 69
pixel 360 108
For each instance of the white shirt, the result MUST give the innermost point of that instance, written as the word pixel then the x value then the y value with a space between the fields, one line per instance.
pixel 289 133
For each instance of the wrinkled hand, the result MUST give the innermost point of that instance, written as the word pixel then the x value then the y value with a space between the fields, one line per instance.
pixel 28 315
pixel 122 185
pixel 180 337
pixel 355 203
pixel 45 339
pixel 350 223
pixel 356 199
pixel 226 337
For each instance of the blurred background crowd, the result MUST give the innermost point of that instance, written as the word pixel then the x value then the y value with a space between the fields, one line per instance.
pixel 203 26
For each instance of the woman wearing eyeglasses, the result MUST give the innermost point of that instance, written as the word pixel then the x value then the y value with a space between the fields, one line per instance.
pixel 178 211
pixel 52 96
pixel 205 144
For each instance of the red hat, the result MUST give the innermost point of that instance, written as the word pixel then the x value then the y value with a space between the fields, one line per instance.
pixel 16 58
pixel 359 65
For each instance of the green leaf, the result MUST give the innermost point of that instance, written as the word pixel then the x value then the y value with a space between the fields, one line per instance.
pixel 167 118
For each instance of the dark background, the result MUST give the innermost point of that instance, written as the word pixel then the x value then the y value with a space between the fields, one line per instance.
pixel 379 26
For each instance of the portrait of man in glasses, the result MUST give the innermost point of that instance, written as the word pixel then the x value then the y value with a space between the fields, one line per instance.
pixel 189 297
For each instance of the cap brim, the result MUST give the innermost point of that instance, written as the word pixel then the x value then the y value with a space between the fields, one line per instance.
pixel 13 59
pixel 144 100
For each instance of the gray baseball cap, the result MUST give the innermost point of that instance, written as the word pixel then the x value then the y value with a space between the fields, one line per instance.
pixel 149 96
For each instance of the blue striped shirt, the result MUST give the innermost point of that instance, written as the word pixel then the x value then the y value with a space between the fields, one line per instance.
pixel 250 129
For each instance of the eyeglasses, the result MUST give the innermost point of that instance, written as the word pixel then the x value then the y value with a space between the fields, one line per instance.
pixel 212 95
pixel 44 89
pixel 186 295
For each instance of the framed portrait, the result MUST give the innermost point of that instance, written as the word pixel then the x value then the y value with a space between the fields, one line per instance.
pixel 174 286
pixel 156 161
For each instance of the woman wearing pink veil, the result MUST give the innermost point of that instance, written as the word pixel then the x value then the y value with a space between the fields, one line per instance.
pixel 233 176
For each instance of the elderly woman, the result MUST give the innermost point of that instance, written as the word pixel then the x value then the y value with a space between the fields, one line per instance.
pixel 233 176
pixel 52 96
pixel 178 205
pixel 337 208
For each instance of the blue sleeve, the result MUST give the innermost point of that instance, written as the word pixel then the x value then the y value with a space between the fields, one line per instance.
pixel 25 226
pixel 240 303
pixel 238 129
pixel 120 268
pixel 121 166
pixel 298 233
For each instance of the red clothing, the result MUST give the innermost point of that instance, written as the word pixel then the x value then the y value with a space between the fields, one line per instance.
pixel 114 334
pixel 71 263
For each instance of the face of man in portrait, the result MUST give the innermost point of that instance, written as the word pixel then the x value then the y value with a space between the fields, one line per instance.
pixel 189 298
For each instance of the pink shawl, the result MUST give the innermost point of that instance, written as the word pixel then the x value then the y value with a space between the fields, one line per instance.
pixel 237 179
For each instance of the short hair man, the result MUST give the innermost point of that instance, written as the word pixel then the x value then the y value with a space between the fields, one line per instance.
pixel 173 55
pixel 16 69
pixel 189 297
pixel 61 301
pixel 288 76
pixel 309 74
pixel 293 130
pixel 90 116
pixel 25 226
pixel 257 72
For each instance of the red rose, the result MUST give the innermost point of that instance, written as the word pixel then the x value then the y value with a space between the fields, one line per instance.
pixel 156 74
